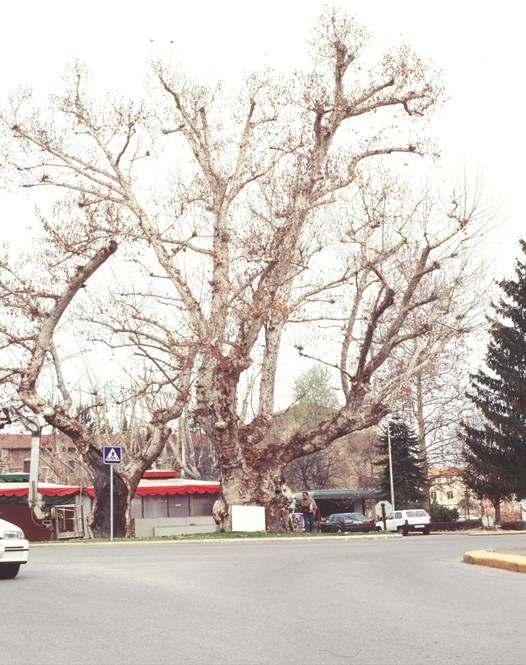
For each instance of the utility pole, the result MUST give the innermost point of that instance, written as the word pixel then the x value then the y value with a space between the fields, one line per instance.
pixel 34 464
pixel 35 427
pixel 390 463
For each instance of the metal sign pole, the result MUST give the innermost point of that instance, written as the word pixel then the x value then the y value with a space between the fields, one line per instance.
pixel 111 502
pixel 111 455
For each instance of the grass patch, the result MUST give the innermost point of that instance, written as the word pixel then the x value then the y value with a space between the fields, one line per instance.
pixel 216 535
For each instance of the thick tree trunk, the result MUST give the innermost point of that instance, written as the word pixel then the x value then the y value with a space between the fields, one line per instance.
pixel 126 478
pixel 249 487
pixel 125 482
pixel 100 517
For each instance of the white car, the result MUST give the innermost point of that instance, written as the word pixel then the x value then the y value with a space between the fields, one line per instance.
pixel 405 521
pixel 14 550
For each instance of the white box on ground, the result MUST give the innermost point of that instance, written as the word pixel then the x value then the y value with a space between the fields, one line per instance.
pixel 248 518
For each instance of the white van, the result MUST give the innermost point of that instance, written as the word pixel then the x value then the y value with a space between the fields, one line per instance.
pixel 405 521
pixel 14 550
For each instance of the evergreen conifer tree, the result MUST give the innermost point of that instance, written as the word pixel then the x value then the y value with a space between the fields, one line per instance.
pixel 495 450
pixel 409 476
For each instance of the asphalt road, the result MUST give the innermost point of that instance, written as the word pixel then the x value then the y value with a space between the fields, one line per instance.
pixel 366 602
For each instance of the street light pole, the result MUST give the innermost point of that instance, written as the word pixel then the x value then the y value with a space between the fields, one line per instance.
pixel 390 463
pixel 34 463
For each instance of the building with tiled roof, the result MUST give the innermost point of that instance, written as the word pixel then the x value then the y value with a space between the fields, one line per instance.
pixel 58 460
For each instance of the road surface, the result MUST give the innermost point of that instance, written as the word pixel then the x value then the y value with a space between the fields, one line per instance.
pixel 364 602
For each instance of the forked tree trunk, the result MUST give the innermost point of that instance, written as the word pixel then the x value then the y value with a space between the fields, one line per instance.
pixel 126 478
pixel 251 460
pixel 100 517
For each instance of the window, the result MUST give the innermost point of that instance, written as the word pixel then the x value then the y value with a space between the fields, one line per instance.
pixel 450 495
pixel 155 506
pixel 398 516
pixel 201 504
pixel 178 505
pixel 433 497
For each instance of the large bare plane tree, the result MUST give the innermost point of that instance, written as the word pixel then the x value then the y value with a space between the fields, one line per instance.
pixel 251 216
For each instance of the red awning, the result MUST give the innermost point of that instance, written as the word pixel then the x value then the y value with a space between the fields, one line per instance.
pixel 147 487
pixel 44 491
pixel 167 487
pixel 161 473
pixel 209 488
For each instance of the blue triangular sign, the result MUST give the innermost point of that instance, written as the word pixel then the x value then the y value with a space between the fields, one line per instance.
pixel 112 455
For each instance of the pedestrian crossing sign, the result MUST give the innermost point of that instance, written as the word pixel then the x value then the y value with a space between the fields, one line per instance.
pixel 112 455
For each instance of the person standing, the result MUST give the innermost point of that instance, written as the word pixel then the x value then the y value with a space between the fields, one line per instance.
pixel 308 508
pixel 292 510
pixel 281 511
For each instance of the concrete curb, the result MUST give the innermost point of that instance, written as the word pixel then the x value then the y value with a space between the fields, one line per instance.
pixel 168 541
pixel 495 533
pixel 513 562
pixel 487 533
pixel 472 533
pixel 478 533
pixel 74 543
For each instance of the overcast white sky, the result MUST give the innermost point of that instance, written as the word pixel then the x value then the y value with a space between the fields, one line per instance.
pixel 478 44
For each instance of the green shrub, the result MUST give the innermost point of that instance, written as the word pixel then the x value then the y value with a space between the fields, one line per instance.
pixel 443 513
pixel 518 525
